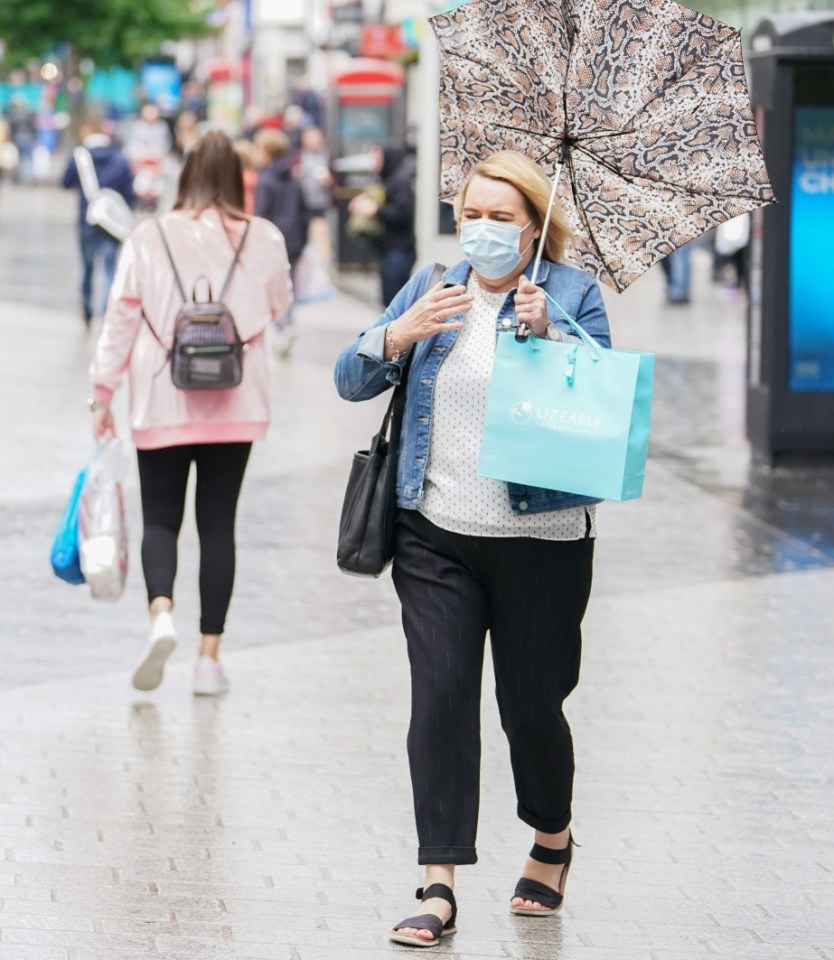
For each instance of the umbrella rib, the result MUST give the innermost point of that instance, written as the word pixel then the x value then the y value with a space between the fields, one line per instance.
pixel 637 179
pixel 584 215
pixel 532 133
pixel 664 91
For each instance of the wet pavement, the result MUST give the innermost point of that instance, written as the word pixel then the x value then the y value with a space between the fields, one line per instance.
pixel 276 822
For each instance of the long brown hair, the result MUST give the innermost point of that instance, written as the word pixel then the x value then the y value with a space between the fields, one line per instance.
pixel 212 177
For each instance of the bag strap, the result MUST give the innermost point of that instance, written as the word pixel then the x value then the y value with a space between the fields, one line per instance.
pixel 584 336
pixel 235 261
pixel 180 287
pixel 159 341
pixel 396 407
pixel 86 172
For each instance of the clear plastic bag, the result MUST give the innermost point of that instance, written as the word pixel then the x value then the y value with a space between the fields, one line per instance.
pixel 311 281
pixel 102 523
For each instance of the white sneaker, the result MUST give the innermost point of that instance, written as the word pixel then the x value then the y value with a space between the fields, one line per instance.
pixel 209 678
pixel 161 643
pixel 284 339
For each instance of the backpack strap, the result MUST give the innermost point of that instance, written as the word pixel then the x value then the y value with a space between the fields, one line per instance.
pixel 234 262
pixel 181 288
pixel 171 260
pixel 173 264
pixel 159 341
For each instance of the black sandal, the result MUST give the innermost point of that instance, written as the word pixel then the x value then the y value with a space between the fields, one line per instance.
pixel 428 921
pixel 551 900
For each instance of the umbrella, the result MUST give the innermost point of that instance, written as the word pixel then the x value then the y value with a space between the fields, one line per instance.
pixel 638 110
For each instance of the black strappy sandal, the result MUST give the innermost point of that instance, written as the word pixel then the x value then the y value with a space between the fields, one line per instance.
pixel 428 921
pixel 551 900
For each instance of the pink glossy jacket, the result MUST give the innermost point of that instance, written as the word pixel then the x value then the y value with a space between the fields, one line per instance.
pixel 161 415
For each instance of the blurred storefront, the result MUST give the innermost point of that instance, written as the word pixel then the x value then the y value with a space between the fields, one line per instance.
pixel 362 57
pixel 364 107
pixel 223 78
pixel 283 43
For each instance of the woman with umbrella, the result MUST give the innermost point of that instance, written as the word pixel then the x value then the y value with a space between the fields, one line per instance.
pixel 476 555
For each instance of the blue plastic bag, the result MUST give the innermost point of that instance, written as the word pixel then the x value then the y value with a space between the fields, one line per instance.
pixel 570 417
pixel 65 558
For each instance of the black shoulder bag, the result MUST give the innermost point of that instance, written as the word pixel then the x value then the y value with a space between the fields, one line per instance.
pixel 366 527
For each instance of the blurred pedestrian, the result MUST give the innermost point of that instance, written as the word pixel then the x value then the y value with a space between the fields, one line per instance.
pixel 293 122
pixel 280 199
pixel 9 154
pixel 303 95
pixel 186 132
pixel 475 555
pixel 251 160
pixel 171 427
pixel 732 239
pixel 149 143
pixel 193 99
pixel 396 166
pixel 97 246
pixel 253 117
pixel 149 136
pixel 677 269
pixel 312 166
pixel 21 120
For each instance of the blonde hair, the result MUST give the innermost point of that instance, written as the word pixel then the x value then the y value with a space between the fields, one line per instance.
pixel 532 183
pixel 274 143
pixel 249 154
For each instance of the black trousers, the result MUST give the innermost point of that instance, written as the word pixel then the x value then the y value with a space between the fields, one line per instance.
pixel 531 596
pixel 163 476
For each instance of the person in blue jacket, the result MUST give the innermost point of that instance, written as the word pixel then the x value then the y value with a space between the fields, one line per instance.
pixel 112 171
pixel 476 555
pixel 279 198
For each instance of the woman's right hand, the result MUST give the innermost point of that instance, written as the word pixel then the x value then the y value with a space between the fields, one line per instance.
pixel 103 426
pixel 429 315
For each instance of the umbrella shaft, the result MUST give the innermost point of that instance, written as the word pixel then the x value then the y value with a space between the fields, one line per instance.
pixel 546 224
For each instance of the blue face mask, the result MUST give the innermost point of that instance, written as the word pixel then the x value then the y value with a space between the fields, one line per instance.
pixel 491 247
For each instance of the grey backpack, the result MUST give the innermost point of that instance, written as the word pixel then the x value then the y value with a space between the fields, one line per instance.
pixel 206 352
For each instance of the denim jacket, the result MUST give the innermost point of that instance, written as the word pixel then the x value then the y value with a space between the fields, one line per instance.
pixel 362 373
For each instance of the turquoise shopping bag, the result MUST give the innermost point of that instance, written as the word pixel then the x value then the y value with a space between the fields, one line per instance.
pixel 567 416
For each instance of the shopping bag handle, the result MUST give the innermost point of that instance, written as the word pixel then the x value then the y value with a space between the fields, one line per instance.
pixel 587 339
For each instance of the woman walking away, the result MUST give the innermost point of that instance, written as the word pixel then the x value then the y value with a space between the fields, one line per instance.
pixel 475 555
pixel 206 238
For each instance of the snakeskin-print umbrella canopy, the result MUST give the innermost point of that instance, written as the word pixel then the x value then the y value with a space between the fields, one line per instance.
pixel 646 100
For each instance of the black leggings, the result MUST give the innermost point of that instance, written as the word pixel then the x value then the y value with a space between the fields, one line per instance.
pixel 531 596
pixel 163 476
